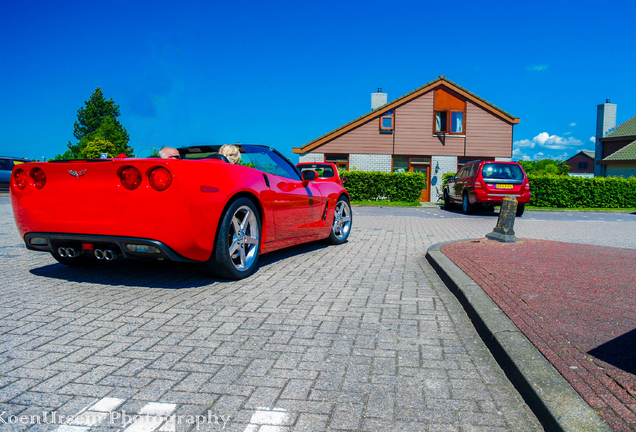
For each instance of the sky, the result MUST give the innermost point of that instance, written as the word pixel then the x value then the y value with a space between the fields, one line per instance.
pixel 282 73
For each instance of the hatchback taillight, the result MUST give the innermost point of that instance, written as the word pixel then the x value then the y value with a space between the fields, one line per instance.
pixel 527 186
pixel 130 178
pixel 160 178
pixel 478 184
pixel 21 179
pixel 39 178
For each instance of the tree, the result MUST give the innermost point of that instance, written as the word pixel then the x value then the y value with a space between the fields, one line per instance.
pixel 545 166
pixel 95 147
pixel 98 120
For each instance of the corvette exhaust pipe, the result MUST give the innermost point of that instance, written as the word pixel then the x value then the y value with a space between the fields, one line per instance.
pixel 71 253
pixel 109 255
pixel 99 254
pixel 62 252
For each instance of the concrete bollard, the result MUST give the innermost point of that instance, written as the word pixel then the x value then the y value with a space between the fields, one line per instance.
pixel 504 231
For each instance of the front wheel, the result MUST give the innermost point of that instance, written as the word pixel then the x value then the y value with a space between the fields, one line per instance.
pixel 341 225
pixel 238 242
pixel 447 201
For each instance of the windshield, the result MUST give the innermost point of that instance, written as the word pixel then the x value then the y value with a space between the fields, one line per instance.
pixel 501 171
pixel 323 170
pixel 254 156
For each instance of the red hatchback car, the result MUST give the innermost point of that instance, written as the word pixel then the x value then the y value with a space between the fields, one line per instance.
pixel 487 183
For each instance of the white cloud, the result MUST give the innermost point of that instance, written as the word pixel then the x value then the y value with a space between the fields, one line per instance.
pixel 593 139
pixel 572 124
pixel 538 68
pixel 547 141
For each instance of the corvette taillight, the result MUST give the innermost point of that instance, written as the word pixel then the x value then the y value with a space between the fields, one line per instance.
pixel 160 178
pixel 39 178
pixel 21 179
pixel 130 178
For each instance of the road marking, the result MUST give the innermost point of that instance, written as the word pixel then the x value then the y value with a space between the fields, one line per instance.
pixel 269 420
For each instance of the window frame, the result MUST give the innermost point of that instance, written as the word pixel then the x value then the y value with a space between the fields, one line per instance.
pixel 344 160
pixel 387 115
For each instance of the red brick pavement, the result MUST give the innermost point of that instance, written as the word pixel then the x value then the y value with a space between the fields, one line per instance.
pixel 576 303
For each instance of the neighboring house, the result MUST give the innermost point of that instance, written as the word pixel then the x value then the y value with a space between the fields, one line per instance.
pixel 615 153
pixel 581 164
pixel 434 129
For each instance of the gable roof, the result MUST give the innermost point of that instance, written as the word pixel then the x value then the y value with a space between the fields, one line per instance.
pixel 587 153
pixel 627 153
pixel 624 129
pixel 438 82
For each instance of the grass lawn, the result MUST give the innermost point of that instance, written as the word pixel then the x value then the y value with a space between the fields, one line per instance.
pixel 387 203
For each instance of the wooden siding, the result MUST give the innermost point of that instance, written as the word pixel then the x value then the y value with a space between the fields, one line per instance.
pixel 414 131
pixel 487 135
pixel 573 162
pixel 365 139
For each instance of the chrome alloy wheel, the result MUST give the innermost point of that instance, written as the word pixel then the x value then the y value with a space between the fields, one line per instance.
pixel 243 238
pixel 341 220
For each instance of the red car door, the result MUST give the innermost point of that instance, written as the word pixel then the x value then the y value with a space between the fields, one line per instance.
pixel 298 208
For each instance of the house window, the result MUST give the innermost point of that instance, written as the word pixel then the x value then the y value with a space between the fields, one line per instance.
pixel 387 122
pixel 341 161
pixel 582 165
pixel 450 113
pixel 405 164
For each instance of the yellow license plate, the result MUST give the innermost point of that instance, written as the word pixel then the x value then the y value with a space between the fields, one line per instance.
pixel 503 186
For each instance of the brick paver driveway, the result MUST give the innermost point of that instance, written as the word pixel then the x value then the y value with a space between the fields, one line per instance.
pixel 362 336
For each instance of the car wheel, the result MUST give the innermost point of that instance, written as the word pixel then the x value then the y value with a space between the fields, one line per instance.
pixel 238 242
pixel 520 209
pixel 467 207
pixel 341 225
pixel 447 201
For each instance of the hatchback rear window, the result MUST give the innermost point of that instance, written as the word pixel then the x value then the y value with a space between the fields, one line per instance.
pixel 500 171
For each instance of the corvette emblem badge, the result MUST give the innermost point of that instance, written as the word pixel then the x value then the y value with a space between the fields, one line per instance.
pixel 77 174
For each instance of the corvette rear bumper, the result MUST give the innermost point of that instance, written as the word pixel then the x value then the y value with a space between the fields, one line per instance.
pixel 87 243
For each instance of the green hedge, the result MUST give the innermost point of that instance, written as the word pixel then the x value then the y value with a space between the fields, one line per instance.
pixel 582 192
pixel 375 185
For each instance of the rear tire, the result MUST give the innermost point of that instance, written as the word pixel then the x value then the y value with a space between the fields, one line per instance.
pixel 520 209
pixel 467 207
pixel 341 225
pixel 238 242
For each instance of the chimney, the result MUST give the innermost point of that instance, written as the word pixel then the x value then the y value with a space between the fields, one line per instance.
pixel 605 124
pixel 378 99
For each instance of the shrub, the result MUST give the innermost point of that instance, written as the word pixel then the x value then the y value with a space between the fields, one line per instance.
pixel 582 192
pixel 375 185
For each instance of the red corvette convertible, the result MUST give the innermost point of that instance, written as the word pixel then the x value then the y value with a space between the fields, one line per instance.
pixel 198 208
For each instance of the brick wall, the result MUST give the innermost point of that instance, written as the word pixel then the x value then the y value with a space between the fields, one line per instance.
pixel 446 164
pixel 370 162
pixel 625 171
pixel 311 157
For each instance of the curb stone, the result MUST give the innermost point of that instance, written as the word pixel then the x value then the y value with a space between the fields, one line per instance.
pixel 553 400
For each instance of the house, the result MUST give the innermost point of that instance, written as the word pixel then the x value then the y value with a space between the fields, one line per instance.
pixel 616 150
pixel 434 129
pixel 581 164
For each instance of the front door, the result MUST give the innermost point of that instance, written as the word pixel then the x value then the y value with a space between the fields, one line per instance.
pixel 424 169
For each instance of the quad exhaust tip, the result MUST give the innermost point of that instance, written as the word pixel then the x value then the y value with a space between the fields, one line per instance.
pixel 107 255
pixel 67 252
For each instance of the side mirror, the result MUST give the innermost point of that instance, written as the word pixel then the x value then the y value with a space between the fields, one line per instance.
pixel 309 175
pixel 344 179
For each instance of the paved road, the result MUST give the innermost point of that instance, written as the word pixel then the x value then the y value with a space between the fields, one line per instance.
pixel 362 336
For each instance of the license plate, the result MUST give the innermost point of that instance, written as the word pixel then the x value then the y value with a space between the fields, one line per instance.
pixel 503 186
